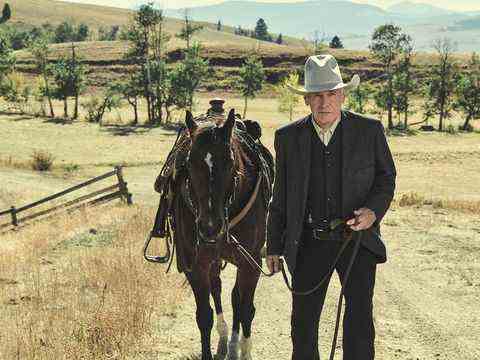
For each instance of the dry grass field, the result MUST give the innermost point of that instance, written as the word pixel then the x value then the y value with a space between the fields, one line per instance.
pixel 77 286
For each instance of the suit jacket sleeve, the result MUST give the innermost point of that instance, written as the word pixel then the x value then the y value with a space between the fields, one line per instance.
pixel 381 193
pixel 276 218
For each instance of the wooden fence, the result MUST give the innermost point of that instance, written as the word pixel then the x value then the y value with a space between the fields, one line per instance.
pixel 117 191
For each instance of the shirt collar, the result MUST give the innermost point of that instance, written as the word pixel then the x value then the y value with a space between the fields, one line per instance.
pixel 331 129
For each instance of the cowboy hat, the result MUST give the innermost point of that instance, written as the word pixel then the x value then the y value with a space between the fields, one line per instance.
pixel 323 74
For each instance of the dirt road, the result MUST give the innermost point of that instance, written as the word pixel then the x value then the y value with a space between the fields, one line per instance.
pixel 426 300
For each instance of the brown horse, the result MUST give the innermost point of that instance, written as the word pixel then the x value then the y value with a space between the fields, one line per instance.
pixel 220 180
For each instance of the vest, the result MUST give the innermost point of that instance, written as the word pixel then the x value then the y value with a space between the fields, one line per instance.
pixel 324 199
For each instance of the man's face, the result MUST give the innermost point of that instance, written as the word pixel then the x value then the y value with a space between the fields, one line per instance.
pixel 325 105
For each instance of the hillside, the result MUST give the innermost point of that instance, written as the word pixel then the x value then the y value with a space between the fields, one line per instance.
pixel 27 13
pixel 224 50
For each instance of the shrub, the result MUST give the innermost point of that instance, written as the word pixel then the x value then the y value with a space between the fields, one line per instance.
pixel 451 130
pixel 410 199
pixel 42 160
pixel 468 128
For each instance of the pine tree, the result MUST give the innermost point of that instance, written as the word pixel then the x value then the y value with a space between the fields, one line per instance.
pixel 261 30
pixel 336 43
pixel 6 13
pixel 279 39
pixel 219 26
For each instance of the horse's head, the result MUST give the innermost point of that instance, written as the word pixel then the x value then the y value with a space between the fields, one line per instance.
pixel 211 171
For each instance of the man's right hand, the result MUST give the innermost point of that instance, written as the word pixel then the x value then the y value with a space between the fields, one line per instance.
pixel 273 263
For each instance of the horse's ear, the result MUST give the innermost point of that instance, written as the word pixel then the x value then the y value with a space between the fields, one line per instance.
pixel 191 124
pixel 229 124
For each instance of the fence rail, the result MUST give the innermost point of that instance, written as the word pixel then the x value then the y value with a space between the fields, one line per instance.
pixel 116 191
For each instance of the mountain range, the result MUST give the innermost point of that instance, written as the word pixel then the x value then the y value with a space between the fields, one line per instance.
pixel 353 22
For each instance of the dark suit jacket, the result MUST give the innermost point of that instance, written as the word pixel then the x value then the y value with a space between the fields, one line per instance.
pixel 368 180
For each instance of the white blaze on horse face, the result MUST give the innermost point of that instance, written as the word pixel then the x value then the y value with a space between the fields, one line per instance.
pixel 209 162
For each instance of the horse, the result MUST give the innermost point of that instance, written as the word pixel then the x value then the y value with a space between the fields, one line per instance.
pixel 220 200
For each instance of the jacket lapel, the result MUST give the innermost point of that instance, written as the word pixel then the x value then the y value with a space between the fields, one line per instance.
pixel 350 136
pixel 304 154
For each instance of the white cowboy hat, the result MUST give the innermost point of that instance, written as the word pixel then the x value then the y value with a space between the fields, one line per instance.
pixel 323 74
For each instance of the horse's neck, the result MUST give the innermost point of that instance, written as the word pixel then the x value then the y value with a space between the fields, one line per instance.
pixel 246 182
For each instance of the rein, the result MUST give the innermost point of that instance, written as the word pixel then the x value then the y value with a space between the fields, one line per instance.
pixel 256 265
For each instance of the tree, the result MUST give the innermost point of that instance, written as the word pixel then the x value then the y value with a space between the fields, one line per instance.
pixel 380 100
pixel 187 76
pixel 261 30
pixel 468 92
pixel 253 76
pixel 147 39
pixel 358 98
pixel 7 58
pixel 219 26
pixel 39 49
pixel 63 84
pixel 96 106
pixel 440 86
pixel 78 79
pixel 82 33
pixel 388 42
pixel 6 13
pixel 288 101
pixel 404 84
pixel 188 30
pixel 69 77
pixel 64 32
pixel 17 92
pixel 336 43
pixel 279 39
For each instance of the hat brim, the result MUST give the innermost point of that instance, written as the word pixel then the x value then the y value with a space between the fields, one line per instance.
pixel 351 85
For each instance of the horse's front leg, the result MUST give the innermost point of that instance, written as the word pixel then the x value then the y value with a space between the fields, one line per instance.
pixel 247 283
pixel 199 281
pixel 222 328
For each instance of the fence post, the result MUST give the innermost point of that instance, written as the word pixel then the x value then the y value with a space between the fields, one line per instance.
pixel 123 185
pixel 13 211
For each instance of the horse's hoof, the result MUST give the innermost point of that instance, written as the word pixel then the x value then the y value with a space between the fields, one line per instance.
pixel 246 348
pixel 222 349
pixel 233 351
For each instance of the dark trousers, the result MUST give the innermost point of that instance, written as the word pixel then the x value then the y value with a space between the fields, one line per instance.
pixel 315 257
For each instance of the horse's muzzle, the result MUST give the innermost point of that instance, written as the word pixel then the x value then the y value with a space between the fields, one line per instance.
pixel 211 236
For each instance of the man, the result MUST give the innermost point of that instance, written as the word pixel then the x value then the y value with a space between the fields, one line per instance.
pixel 331 165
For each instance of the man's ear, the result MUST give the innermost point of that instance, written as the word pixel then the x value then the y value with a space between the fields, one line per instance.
pixel 306 99
pixel 343 96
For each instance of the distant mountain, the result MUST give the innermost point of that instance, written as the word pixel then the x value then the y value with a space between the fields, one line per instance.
pixel 467 24
pixel 296 19
pixel 411 9
pixel 353 22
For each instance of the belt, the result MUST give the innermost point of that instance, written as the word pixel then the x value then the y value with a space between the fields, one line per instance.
pixel 327 230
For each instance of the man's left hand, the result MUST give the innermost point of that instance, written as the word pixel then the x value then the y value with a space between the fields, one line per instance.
pixel 364 219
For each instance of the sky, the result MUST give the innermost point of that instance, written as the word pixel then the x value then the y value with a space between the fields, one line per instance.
pixel 458 5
